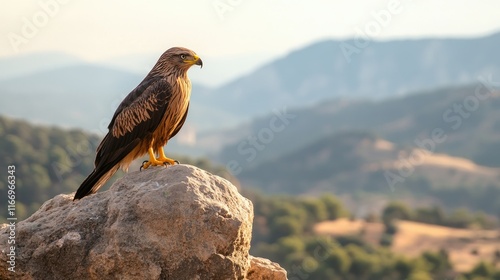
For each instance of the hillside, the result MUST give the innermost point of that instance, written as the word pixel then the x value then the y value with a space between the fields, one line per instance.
pixel 352 163
pixel 48 161
pixel 361 158
pixel 51 161
pixel 465 247
pixel 313 232
pixel 406 121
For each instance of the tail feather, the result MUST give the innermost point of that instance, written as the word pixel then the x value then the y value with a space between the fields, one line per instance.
pixel 95 180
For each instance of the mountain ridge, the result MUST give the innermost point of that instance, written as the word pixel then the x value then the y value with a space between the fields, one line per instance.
pixel 382 69
pixel 317 72
pixel 364 169
pixel 403 120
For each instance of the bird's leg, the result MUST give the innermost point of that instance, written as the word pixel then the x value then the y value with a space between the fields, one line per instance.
pixel 165 159
pixel 152 160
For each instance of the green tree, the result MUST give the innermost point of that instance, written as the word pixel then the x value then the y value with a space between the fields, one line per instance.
pixel 438 262
pixel 362 263
pixel 432 215
pixel 290 245
pixel 338 260
pixel 396 211
pixel 283 227
pixel 482 270
pixel 333 207
pixel 316 210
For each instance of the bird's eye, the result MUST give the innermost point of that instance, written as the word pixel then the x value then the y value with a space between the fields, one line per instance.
pixel 183 56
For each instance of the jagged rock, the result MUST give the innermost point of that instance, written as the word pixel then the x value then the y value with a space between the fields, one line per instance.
pixel 177 223
pixel 264 269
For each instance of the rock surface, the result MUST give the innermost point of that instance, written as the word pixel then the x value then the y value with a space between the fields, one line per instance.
pixel 177 223
pixel 264 269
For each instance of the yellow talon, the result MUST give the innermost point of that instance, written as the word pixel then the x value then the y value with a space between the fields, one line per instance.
pixel 160 161
pixel 164 158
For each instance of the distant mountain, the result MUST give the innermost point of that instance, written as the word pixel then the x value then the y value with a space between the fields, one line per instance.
pixel 22 65
pixel 471 132
pixel 357 161
pixel 85 95
pixel 82 95
pixel 379 70
pixel 217 70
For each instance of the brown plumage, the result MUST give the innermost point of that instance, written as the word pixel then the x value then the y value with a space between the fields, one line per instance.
pixel 146 119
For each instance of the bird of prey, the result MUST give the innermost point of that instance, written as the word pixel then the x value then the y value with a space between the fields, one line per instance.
pixel 147 118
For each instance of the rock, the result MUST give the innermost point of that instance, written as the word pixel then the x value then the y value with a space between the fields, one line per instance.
pixel 177 223
pixel 264 269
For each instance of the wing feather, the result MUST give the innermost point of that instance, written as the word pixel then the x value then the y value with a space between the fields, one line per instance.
pixel 136 118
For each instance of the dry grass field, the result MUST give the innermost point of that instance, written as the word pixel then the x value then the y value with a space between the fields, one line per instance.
pixel 381 155
pixel 466 247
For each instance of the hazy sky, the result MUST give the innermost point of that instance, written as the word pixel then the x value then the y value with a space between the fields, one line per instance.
pixel 95 29
pixel 242 32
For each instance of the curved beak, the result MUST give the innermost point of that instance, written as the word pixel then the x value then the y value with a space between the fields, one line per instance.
pixel 198 61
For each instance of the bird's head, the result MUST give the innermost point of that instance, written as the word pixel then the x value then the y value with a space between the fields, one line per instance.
pixel 178 58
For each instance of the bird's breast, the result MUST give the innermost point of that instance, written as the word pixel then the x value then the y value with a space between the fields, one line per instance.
pixel 176 108
pixel 180 101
